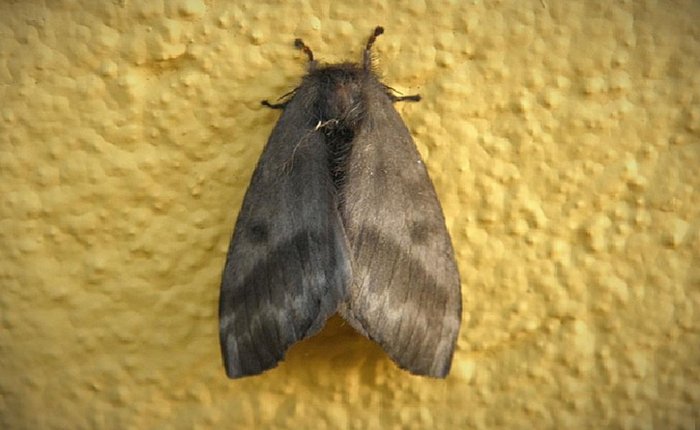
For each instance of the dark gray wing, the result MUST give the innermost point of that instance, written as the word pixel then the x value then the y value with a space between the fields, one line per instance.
pixel 406 291
pixel 288 264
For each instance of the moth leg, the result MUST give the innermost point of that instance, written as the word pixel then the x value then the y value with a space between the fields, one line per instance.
pixel 411 98
pixel 367 56
pixel 279 105
pixel 394 98
pixel 299 44
pixel 274 105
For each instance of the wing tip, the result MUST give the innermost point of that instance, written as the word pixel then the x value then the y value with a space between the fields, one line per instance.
pixel 235 372
pixel 437 369
pixel 240 363
pixel 237 368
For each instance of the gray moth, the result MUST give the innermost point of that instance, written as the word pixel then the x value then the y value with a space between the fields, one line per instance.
pixel 340 217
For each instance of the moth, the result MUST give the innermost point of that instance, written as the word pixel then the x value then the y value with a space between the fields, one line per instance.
pixel 340 217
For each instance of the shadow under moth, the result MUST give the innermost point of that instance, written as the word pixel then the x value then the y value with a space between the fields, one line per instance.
pixel 340 217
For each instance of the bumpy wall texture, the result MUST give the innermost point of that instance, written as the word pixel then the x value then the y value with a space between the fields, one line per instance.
pixel 563 138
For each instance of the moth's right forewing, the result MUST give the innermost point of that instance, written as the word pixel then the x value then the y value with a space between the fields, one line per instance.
pixel 288 263
pixel 406 290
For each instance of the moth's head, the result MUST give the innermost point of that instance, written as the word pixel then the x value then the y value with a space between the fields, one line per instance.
pixel 340 92
pixel 335 92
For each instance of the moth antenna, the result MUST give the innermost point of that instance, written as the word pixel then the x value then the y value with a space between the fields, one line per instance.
pixel 299 44
pixel 367 57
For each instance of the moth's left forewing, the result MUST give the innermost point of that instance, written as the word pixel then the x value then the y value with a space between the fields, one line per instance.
pixel 287 267
pixel 406 289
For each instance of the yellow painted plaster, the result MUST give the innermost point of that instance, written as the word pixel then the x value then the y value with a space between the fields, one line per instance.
pixel 564 142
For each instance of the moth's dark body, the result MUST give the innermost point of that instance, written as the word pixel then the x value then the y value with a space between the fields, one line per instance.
pixel 339 107
pixel 340 216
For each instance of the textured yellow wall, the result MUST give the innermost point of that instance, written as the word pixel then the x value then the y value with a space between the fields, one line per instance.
pixel 563 138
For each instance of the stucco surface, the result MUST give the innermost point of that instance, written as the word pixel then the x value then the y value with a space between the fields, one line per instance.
pixel 563 138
